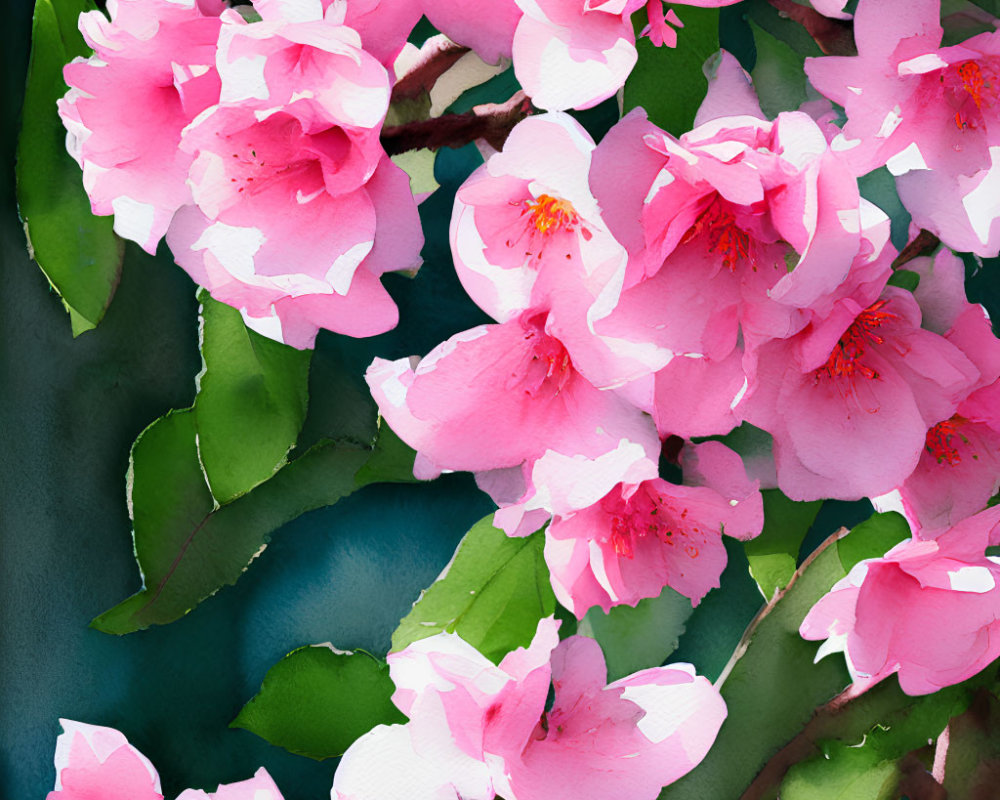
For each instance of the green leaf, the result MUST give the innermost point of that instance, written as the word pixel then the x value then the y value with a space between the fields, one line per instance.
pixel 905 279
pixel 774 554
pixel 771 685
pixel 391 460
pixel 317 701
pixel 188 549
pixel 419 165
pixel 873 538
pixel 848 774
pixel 870 735
pixel 635 638
pixel 669 82
pixel 492 594
pixel 778 75
pixel 78 252
pixel 251 401
pixel 781 27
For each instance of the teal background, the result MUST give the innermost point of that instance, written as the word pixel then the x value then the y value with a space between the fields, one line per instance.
pixel 69 411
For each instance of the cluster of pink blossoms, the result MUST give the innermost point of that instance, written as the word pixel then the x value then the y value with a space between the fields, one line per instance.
pixel 647 290
pixel 650 289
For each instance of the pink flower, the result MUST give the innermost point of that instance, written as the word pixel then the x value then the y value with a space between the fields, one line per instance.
pixel 930 113
pixel 95 762
pixel 926 610
pixel 497 396
pixel 527 233
pixel 959 468
pixel 487 28
pixel 735 226
pixel 850 398
pixel 289 182
pixel 152 72
pixel 477 729
pixel 566 53
pixel 619 533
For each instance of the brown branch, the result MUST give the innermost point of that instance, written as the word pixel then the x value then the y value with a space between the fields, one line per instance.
pixel 441 55
pixel 923 243
pixel 492 122
pixel 835 37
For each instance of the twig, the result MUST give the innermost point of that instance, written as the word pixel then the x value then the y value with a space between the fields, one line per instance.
pixel 492 122
pixel 835 37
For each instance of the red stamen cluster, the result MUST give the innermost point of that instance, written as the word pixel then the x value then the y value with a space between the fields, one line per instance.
pixel 940 442
pixel 725 237
pixel 844 361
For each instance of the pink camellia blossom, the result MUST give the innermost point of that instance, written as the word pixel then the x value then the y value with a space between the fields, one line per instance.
pixel 152 72
pixel 927 610
pixel 477 729
pixel 296 209
pixel 497 396
pixel 526 233
pixel 615 540
pixel 97 763
pixel 736 232
pixel 929 112
pixel 959 468
pixel 850 398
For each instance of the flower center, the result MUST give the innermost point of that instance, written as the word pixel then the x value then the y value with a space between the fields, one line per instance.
pixel 550 214
pixel 971 84
pixel 941 441
pixel 845 360
pixel 724 236
pixel 644 514
pixel 547 367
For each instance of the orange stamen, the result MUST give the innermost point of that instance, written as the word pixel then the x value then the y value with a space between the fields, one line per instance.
pixel 549 214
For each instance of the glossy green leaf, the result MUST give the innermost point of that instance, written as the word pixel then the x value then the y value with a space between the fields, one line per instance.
pixel 669 82
pixel 188 549
pixel 774 554
pixel 771 685
pixel 873 538
pixel 252 396
pixel 870 735
pixel 778 75
pixel 391 460
pixel 492 594
pixel 848 773
pixel 78 252
pixel 635 638
pixel 781 27
pixel 317 701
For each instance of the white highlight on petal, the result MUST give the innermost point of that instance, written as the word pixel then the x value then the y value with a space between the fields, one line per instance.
pixel 890 123
pixel 841 143
pixel 233 247
pixel 133 220
pixel 243 79
pixel 928 62
pixel 269 326
pixel 905 160
pixel 972 579
pixel 982 204
pixel 663 178
pixel 340 275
